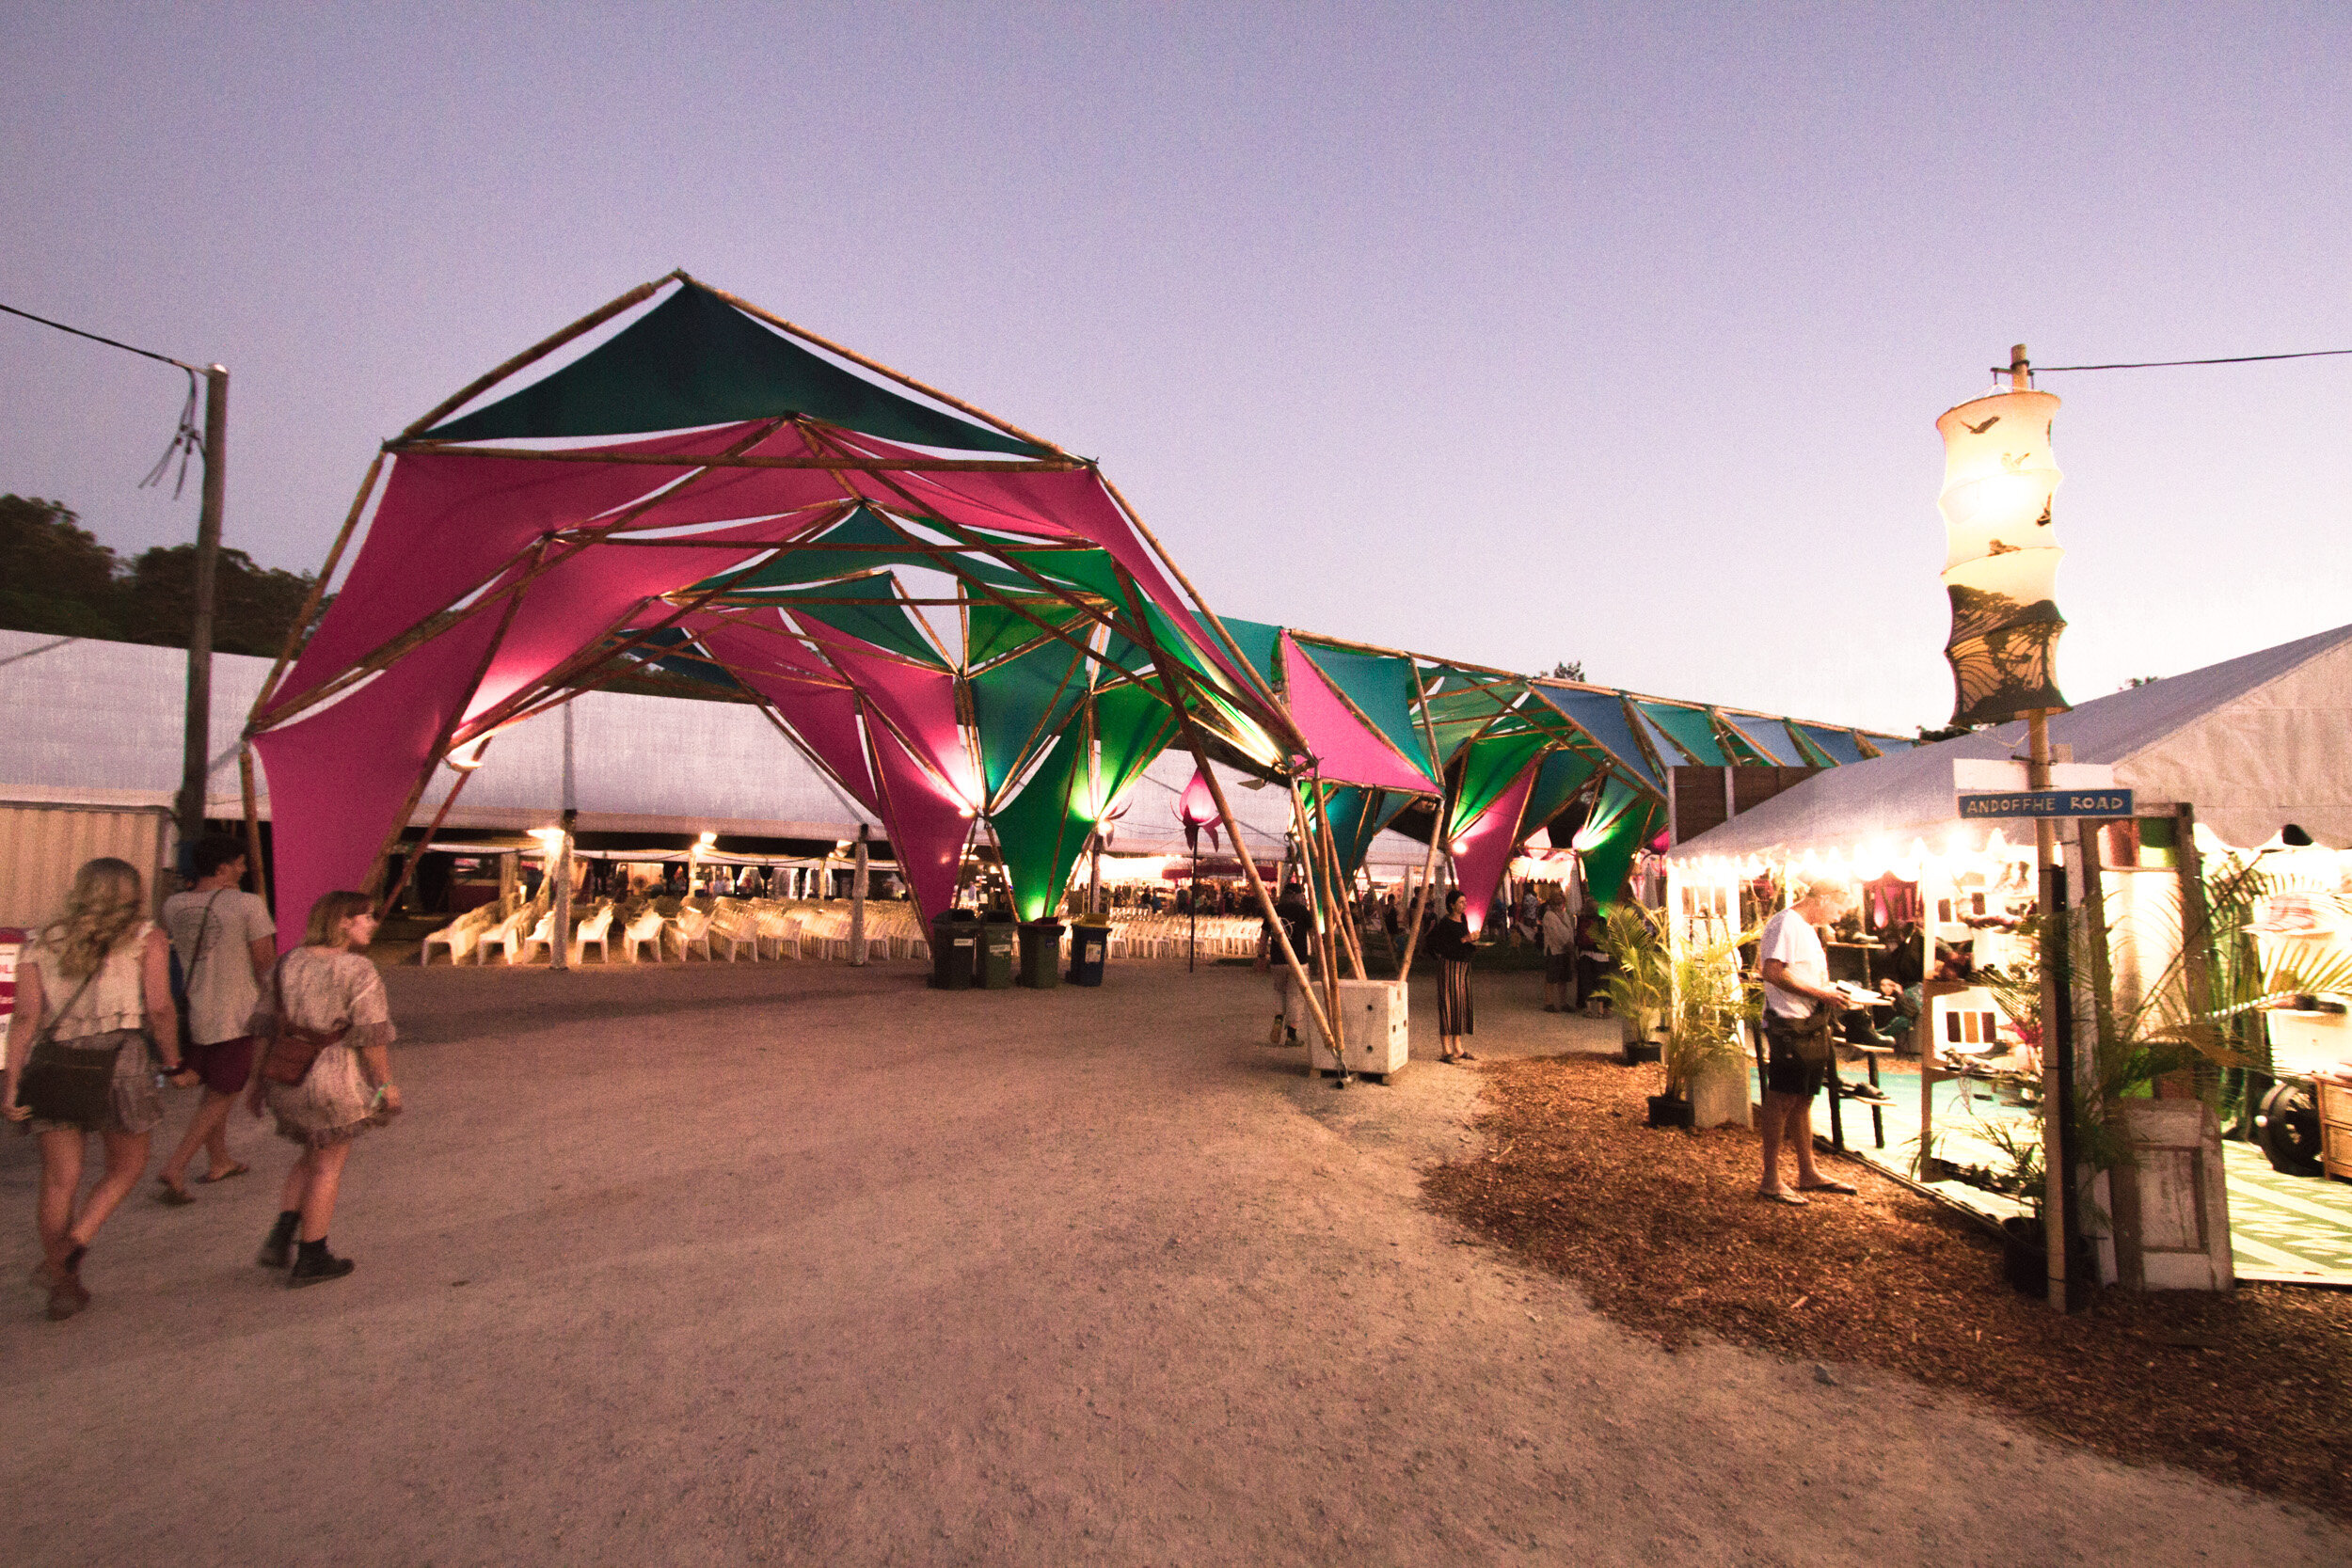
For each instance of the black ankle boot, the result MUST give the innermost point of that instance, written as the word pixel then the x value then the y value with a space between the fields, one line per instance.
pixel 316 1266
pixel 278 1251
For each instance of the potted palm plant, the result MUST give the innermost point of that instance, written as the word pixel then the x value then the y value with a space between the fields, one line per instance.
pixel 1641 977
pixel 1707 999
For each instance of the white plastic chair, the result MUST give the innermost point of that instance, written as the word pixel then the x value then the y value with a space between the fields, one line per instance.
pixel 644 932
pixel 597 929
pixel 690 930
pixel 458 936
pixel 542 935
pixel 506 936
pixel 735 925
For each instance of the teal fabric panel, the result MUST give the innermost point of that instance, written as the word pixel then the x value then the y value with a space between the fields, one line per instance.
pixel 1836 745
pixel 1488 770
pixel 1257 641
pixel 1562 775
pixel 881 619
pixel 1019 704
pixel 695 359
pixel 1689 729
pixel 1601 715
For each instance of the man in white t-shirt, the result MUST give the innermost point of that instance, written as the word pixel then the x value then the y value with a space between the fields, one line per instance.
pixel 1798 1002
pixel 226 942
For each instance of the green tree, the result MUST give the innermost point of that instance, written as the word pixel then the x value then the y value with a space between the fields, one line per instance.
pixel 252 605
pixel 58 579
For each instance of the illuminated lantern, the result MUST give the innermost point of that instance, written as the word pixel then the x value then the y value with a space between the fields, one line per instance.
pixel 1197 809
pixel 1999 479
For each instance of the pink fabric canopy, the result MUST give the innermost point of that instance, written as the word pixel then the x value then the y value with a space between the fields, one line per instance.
pixel 1481 849
pixel 1346 750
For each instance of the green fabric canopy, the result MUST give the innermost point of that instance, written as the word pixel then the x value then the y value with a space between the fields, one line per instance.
pixel 1563 774
pixel 1689 729
pixel 1018 701
pixel 878 616
pixel 1044 829
pixel 1625 819
pixel 1489 767
pixel 695 360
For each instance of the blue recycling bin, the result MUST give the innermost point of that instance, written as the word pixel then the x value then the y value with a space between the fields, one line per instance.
pixel 1088 947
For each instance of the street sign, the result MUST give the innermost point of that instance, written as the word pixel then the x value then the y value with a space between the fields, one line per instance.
pixel 2046 802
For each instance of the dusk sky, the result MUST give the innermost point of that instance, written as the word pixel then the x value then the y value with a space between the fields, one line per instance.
pixel 1514 334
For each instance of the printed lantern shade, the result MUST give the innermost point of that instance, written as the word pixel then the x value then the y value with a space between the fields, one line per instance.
pixel 1197 809
pixel 1999 479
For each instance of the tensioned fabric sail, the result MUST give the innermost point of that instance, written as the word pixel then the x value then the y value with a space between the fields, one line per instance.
pixel 1484 847
pixel 1688 728
pixel 1046 828
pixel 1381 689
pixel 695 359
pixel 1346 750
pixel 1489 768
pixel 1019 702
pixel 1356 817
pixel 1601 715
pixel 1561 774
pixel 1838 746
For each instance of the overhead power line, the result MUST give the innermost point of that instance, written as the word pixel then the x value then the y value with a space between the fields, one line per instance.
pixel 96 339
pixel 2168 364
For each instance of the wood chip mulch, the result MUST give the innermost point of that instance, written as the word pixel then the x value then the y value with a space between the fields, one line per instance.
pixel 1664 1233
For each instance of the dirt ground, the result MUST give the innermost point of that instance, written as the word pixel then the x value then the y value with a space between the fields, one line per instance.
pixel 797 1264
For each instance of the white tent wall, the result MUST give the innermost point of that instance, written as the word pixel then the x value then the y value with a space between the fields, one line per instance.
pixel 2255 743
pixel 99 724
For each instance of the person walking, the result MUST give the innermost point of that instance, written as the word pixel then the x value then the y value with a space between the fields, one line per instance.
pixel 1799 1008
pixel 225 941
pixel 1559 938
pixel 325 1074
pixel 96 986
pixel 1450 940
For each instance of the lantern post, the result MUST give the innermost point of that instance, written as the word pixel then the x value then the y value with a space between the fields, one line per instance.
pixel 1999 482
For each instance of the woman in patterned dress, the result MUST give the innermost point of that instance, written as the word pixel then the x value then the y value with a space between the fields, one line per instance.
pixel 103 969
pixel 325 996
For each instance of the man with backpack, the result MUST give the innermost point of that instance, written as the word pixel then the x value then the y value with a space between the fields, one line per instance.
pixel 223 942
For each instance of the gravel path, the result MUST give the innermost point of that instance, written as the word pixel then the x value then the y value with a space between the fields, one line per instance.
pixel 798 1263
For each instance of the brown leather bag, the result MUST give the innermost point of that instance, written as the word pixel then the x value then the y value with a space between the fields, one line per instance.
pixel 293 1050
pixel 292 1047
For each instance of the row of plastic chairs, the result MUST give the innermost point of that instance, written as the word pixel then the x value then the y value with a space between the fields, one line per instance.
pixel 767 927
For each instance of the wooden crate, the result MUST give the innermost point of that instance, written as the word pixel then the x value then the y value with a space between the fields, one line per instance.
pixel 2335 1127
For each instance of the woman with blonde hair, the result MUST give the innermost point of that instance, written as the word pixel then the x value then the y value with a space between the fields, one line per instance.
pixel 89 990
pixel 324 1073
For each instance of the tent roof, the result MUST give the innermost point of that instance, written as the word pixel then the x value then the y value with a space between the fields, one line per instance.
pixel 2255 743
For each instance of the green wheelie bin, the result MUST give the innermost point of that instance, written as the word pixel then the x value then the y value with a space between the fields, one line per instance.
pixel 1041 953
pixel 997 950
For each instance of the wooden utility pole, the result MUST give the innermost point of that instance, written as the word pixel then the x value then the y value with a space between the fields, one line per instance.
pixel 197 740
pixel 2061 1224
pixel 857 897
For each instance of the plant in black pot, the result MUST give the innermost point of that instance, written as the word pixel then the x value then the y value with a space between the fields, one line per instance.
pixel 1640 979
pixel 1707 997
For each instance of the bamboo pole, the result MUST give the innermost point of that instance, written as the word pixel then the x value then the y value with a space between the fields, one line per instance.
pixel 1135 518
pixel 416 856
pixel 1321 820
pixel 1249 860
pixel 1420 901
pixel 539 350
pixel 1330 944
pixel 655 459
pixel 252 822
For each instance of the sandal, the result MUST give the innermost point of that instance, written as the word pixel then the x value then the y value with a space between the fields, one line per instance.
pixel 236 1167
pixel 1464 1057
pixel 1828 1186
pixel 1782 1195
pixel 173 1195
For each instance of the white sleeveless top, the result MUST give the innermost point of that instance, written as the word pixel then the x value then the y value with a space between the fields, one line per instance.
pixel 117 995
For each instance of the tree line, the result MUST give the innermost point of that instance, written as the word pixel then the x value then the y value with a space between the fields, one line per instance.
pixel 57 578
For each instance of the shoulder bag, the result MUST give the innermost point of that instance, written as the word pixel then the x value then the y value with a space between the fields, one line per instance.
pixel 183 980
pixel 68 1083
pixel 292 1048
